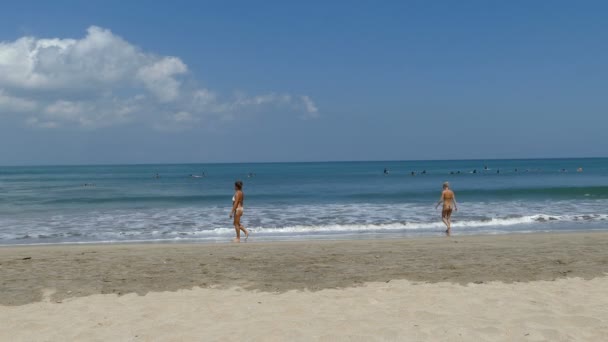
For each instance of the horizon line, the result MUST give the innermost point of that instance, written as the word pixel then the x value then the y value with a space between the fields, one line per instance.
pixel 299 162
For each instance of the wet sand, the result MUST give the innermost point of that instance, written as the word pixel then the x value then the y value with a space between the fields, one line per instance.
pixel 26 273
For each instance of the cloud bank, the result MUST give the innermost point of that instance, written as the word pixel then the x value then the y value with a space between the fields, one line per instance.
pixel 102 80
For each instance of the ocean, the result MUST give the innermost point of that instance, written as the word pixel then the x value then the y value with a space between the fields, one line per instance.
pixel 287 201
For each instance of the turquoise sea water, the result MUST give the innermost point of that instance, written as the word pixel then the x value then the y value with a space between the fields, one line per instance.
pixel 74 204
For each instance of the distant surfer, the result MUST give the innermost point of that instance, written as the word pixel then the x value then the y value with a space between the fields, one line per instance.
pixel 237 211
pixel 449 203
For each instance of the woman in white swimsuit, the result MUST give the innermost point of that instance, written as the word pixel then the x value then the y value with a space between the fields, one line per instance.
pixel 237 211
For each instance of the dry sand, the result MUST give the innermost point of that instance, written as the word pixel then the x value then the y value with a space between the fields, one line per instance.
pixel 457 289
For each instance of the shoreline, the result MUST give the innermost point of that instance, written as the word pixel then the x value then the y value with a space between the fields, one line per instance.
pixel 28 272
pixel 310 238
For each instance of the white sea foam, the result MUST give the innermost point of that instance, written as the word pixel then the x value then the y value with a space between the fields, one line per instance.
pixel 183 224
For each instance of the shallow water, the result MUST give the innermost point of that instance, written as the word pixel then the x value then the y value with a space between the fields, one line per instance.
pixel 73 204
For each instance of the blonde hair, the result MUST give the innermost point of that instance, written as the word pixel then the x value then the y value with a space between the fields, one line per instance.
pixel 446 185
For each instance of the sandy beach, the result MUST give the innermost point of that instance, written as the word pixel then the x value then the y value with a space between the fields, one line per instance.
pixel 506 287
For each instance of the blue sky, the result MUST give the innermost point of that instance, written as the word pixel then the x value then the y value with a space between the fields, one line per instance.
pixel 228 81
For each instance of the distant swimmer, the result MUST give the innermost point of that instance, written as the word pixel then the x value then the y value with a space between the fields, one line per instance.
pixel 515 170
pixel 424 172
pixel 580 169
pixel 475 171
pixel 458 172
pixel 237 211
pixel 156 176
pixel 498 171
pixel 413 173
pixel 485 167
pixel 386 172
pixel 449 203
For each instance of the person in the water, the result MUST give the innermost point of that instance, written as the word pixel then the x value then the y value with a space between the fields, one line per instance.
pixel 237 211
pixel 449 203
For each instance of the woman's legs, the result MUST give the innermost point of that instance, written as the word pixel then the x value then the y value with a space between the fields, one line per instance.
pixel 238 227
pixel 450 219
pixel 446 217
pixel 245 231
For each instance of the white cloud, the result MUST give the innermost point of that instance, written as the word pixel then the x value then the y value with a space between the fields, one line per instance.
pixel 15 104
pixel 205 101
pixel 100 58
pixel 65 109
pixel 41 124
pixel 204 98
pixel 311 109
pixel 159 77
pixel 183 117
pixel 101 79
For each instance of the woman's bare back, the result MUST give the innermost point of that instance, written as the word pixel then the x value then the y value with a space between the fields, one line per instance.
pixel 448 199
